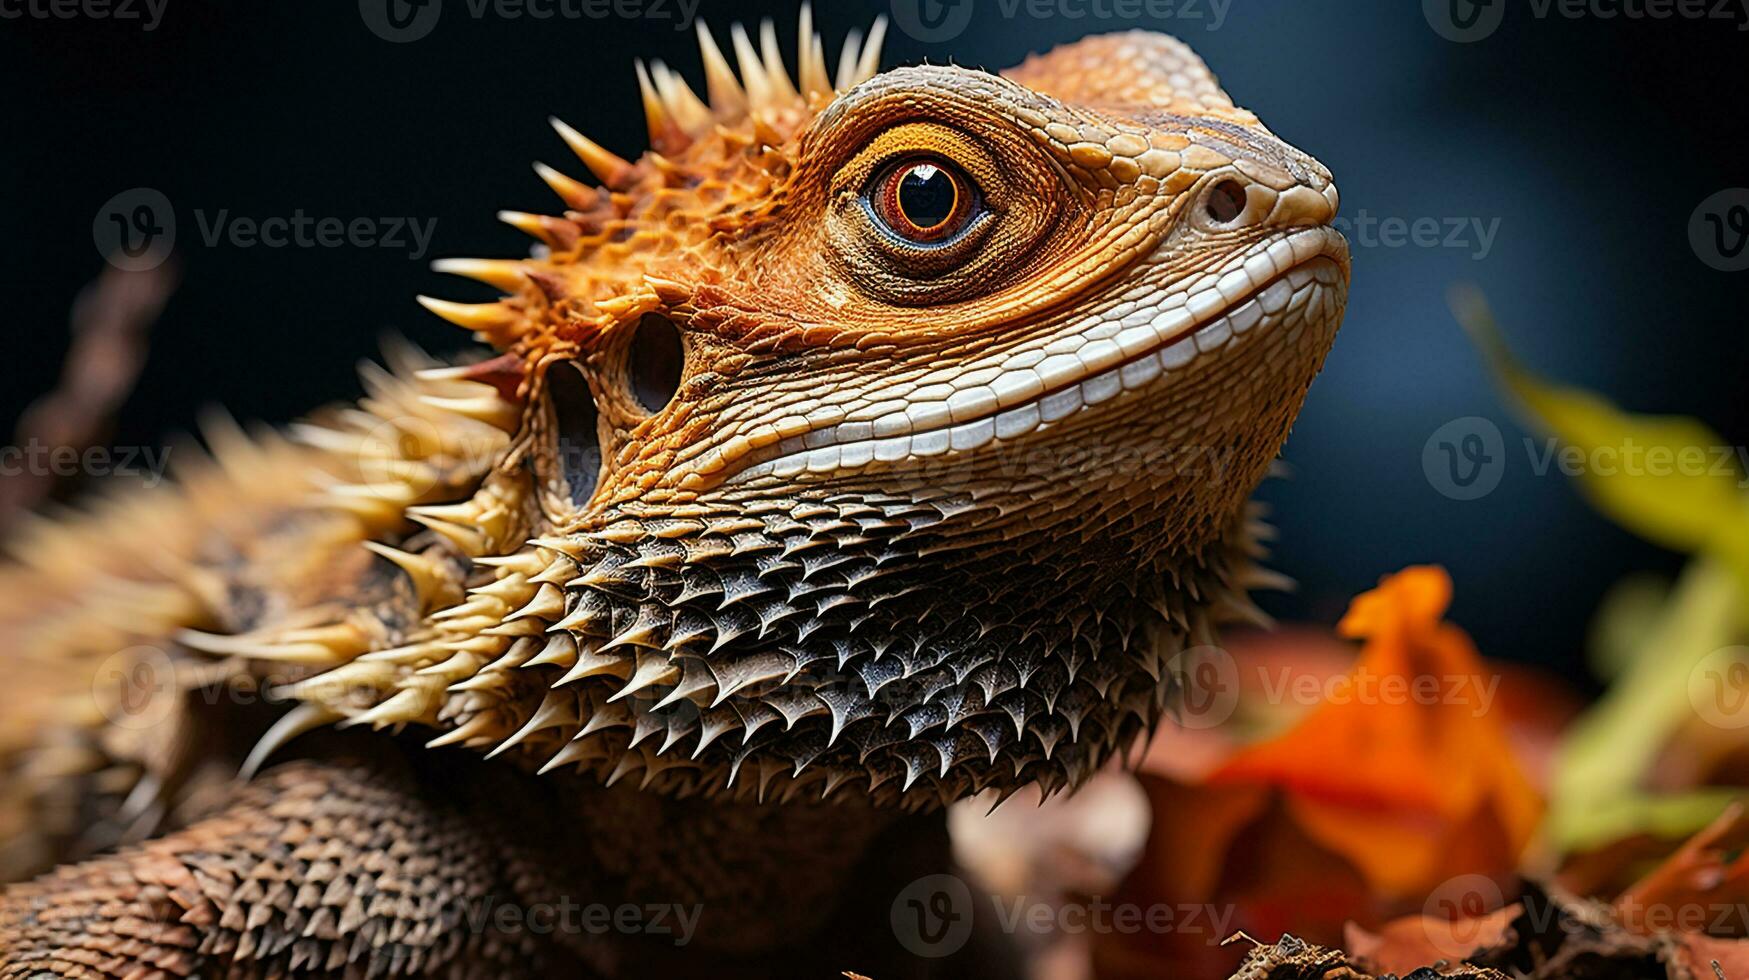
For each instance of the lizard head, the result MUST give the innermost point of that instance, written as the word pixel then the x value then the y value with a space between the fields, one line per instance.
pixel 895 433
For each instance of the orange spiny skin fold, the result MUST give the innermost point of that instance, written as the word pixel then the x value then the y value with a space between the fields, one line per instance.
pixel 755 495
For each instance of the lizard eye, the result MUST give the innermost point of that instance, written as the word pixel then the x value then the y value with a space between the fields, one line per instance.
pixel 923 201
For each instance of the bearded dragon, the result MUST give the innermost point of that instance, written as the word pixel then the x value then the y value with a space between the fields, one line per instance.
pixel 872 441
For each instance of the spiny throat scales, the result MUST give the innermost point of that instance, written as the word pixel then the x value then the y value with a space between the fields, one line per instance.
pixel 876 433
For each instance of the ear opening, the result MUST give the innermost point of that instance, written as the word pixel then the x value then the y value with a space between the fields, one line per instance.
pixel 576 428
pixel 655 362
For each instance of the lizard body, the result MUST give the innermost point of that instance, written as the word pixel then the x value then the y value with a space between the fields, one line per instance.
pixel 868 443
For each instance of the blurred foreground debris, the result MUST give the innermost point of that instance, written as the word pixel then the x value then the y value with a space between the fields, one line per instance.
pixel 110 321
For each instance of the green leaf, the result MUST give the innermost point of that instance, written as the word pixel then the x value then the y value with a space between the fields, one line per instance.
pixel 1671 480
pixel 1667 478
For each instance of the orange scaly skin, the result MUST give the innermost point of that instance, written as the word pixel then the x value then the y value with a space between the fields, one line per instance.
pixel 765 498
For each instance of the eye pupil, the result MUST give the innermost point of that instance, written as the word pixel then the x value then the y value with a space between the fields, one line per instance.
pixel 927 196
pixel 922 201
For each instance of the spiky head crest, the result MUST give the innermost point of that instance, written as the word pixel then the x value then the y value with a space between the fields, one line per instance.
pixel 790 487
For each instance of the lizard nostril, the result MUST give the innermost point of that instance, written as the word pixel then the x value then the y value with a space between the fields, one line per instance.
pixel 1225 202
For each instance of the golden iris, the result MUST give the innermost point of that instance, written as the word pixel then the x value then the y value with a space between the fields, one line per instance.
pixel 923 201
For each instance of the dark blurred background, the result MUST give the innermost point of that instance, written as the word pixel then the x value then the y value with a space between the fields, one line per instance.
pixel 1571 152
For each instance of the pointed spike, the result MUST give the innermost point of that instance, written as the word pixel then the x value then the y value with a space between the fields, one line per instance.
pixel 407 705
pixel 627 762
pixel 560 651
pixel 591 663
pixel 430 577
pixel 489 681
pixel 505 274
pixel 691 683
pixel 548 604
pixel 1258 577
pixel 524 563
pixel 482 317
pixel 487 408
pixel 834 779
pixel 474 727
pixel 725 93
pixel 768 769
pixel 304 652
pixel 468 539
pixel 462 663
pixel 614 172
pixel 870 62
pixel 558 708
pixel 577 196
pixel 683 104
pixel 305 717
pixel 847 59
pixel 607 716
pixel 572 752
pixel 652 669
pixel 752 69
pixel 712 726
pixel 673 734
pixel 666 136
pixel 642 633
pixel 532 225
pixel 776 74
pixel 559 570
pixel 811 75
pixel 341 680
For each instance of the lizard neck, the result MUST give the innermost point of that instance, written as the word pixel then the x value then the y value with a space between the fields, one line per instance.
pixel 636 883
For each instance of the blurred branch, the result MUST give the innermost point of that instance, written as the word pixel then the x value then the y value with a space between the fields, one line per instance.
pixel 110 320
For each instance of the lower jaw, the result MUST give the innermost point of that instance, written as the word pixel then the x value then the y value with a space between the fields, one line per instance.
pixel 1289 296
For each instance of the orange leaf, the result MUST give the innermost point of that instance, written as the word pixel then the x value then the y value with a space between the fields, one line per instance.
pixel 1407 765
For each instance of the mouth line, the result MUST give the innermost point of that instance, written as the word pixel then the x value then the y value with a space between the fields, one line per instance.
pixel 1131 360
